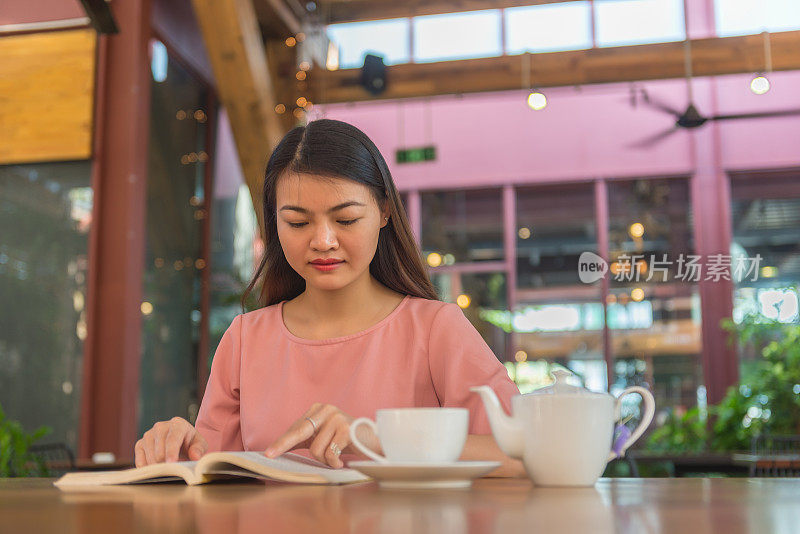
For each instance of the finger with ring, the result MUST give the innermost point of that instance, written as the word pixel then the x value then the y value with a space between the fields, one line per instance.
pixel 313 424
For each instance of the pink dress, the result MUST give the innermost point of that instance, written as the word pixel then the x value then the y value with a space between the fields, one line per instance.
pixel 424 353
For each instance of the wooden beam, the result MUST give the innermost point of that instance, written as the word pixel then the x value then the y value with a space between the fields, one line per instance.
pixel 710 57
pixel 278 18
pixel 230 31
pixel 357 10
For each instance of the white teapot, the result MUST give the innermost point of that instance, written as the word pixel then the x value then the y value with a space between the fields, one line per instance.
pixel 562 433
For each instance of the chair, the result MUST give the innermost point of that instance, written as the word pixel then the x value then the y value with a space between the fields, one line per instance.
pixel 57 457
pixel 775 456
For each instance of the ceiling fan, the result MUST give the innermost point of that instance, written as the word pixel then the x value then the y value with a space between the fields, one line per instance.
pixel 691 117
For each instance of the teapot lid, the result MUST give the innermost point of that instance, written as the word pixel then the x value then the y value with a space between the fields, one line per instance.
pixel 561 387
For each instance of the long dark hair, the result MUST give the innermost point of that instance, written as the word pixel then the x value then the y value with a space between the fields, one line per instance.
pixel 336 149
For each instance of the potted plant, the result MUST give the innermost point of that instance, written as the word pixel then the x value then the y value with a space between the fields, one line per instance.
pixel 16 460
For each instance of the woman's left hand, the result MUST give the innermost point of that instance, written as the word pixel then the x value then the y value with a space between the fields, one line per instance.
pixel 324 430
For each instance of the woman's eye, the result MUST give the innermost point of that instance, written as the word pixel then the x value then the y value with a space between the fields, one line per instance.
pixel 297 225
pixel 347 222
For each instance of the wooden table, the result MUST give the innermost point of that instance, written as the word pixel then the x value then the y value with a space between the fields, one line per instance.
pixel 616 506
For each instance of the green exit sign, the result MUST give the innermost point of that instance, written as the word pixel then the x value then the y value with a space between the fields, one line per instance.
pixel 415 155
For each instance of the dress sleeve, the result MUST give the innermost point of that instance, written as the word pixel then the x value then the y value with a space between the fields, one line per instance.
pixel 459 359
pixel 218 419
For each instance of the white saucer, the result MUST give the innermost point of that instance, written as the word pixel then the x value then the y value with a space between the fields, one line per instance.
pixel 424 476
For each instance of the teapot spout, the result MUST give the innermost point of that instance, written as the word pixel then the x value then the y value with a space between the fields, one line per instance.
pixel 505 429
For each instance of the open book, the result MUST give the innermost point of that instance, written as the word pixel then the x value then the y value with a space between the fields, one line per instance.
pixel 288 467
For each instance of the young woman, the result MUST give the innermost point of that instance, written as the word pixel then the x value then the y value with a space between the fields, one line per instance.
pixel 350 321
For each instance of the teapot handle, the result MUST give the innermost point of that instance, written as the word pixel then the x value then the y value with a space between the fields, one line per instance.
pixel 649 411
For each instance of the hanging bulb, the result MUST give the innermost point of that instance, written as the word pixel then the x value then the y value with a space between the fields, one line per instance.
pixel 537 101
pixel 759 84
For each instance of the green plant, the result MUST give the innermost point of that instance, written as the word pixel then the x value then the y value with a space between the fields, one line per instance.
pixel 16 460
pixel 767 399
pixel 685 433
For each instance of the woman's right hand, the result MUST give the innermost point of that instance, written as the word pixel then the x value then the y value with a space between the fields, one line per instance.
pixel 169 441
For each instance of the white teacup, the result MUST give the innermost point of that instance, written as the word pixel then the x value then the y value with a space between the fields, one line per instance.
pixel 416 435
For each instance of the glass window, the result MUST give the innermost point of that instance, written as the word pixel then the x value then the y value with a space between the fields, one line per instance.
pixel 741 17
pixel 629 22
pixel 557 320
pixel 558 330
pixel 653 303
pixel 555 224
pixel 176 212
pixel 462 226
pixel 457 36
pixel 548 28
pixel 234 228
pixel 766 216
pixel 481 296
pixel 387 38
pixel 45 215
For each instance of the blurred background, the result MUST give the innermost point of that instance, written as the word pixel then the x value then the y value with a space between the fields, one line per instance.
pixel 656 134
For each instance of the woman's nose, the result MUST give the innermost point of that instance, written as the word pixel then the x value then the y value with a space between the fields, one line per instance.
pixel 324 238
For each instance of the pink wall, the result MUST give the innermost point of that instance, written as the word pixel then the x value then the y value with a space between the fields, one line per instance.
pixel 584 133
pixel 27 11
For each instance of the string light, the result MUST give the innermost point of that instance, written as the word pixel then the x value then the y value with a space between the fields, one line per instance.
pixel 290 41
pixel 521 356
pixel 280 109
pixel 301 75
pixel 537 101
pixel 463 301
pixel 524 233
pixel 434 259
pixel 78 301
pixel 637 295
pixel 769 271
pixel 81 330
pixel 759 85
pixel 636 230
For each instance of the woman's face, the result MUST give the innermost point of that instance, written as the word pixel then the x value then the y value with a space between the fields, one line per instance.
pixel 327 219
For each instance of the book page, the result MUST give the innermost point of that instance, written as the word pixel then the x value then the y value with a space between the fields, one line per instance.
pixel 288 467
pixel 162 472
